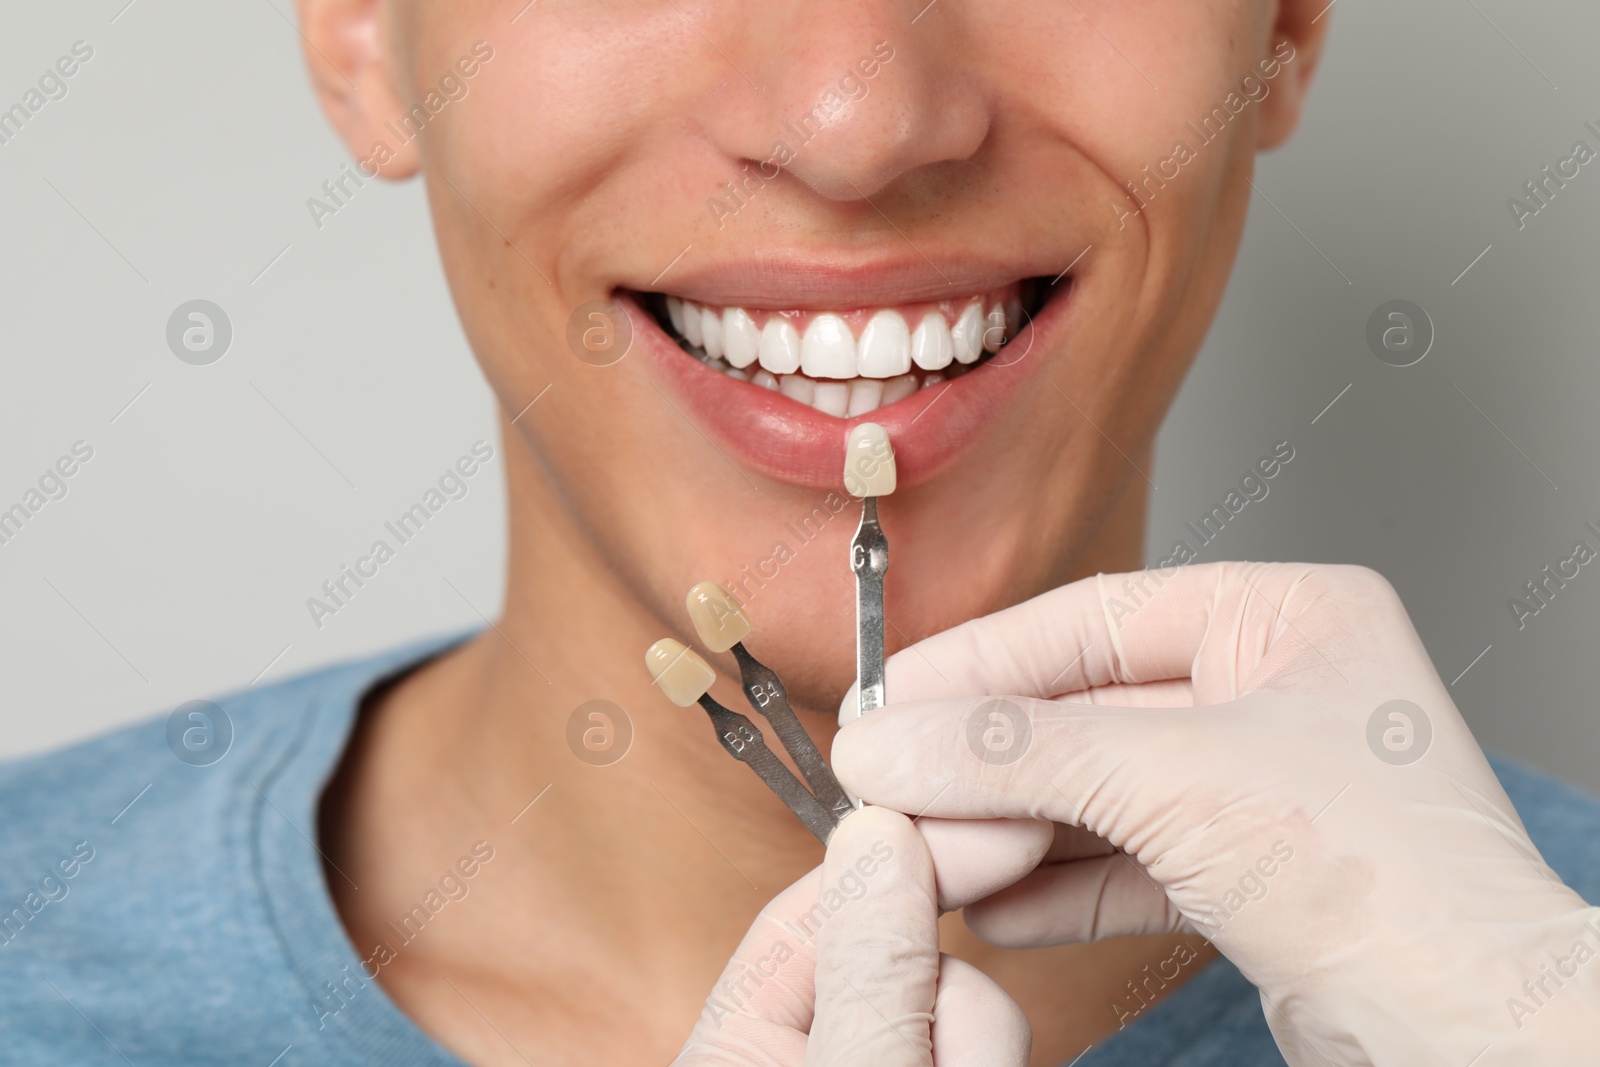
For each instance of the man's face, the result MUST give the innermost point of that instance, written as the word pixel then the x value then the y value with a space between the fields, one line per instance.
pixel 1081 167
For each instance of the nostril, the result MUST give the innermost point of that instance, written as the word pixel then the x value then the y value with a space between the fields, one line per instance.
pixel 746 187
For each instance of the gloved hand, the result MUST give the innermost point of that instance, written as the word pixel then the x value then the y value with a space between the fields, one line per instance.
pixel 1229 736
pixel 843 967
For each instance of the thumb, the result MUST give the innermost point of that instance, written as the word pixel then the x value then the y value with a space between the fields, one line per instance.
pixel 877 945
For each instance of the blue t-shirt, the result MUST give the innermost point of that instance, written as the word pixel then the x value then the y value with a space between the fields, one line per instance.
pixel 165 910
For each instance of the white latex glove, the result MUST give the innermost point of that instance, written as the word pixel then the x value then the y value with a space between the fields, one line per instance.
pixel 843 967
pixel 1221 725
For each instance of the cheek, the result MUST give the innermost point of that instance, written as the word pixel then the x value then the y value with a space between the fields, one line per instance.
pixel 567 100
pixel 544 170
pixel 1129 106
pixel 1135 75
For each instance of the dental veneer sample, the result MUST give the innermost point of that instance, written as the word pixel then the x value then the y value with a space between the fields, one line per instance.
pixel 717 617
pixel 686 678
pixel 869 461
pixel 680 672
pixel 722 625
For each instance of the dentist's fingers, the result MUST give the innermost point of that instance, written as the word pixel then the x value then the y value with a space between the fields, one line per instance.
pixel 1197 634
pixel 974 858
pixel 762 1006
pixel 1096 767
pixel 1076 843
pixel 1069 903
pixel 878 947
pixel 1175 693
pixel 1070 639
pixel 975 1023
pixel 758 1012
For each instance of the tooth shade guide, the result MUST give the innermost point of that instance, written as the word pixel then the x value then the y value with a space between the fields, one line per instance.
pixel 679 672
pixel 743 740
pixel 686 679
pixel 869 467
pixel 717 617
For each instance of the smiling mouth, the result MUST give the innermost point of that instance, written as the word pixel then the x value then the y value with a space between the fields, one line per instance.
pixel 851 362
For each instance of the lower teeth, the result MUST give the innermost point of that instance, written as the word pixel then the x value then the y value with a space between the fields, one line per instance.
pixel 840 398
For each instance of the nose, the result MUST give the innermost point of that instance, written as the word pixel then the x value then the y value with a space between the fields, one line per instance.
pixel 853 95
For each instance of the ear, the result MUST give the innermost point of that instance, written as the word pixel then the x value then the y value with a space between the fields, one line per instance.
pixel 1297 35
pixel 350 54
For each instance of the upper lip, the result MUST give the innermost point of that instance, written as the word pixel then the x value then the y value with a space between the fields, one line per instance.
pixel 787 280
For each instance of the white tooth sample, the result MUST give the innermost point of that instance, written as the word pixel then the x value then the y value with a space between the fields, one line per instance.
pixel 737 374
pixel 797 387
pixel 994 329
pixel 764 378
pixel 675 313
pixel 680 672
pixel 740 337
pixel 828 349
pixel 780 346
pixel 885 347
pixel 930 344
pixel 865 395
pixel 832 398
pixel 898 388
pixel 691 323
pixel 967 334
pixel 868 461
pixel 716 617
pixel 711 333
pixel 932 379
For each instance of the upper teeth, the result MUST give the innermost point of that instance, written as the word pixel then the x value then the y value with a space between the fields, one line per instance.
pixel 888 346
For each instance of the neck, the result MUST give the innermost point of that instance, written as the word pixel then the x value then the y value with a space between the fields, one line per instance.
pixel 641 874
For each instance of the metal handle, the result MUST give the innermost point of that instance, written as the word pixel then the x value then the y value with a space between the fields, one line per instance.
pixel 769 699
pixel 869 558
pixel 743 741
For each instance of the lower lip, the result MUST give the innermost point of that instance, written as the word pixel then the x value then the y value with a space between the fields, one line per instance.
pixel 794 443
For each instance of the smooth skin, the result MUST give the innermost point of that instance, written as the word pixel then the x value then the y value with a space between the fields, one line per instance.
pixel 581 162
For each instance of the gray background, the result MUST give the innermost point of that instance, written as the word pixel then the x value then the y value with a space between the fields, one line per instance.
pixel 220 497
